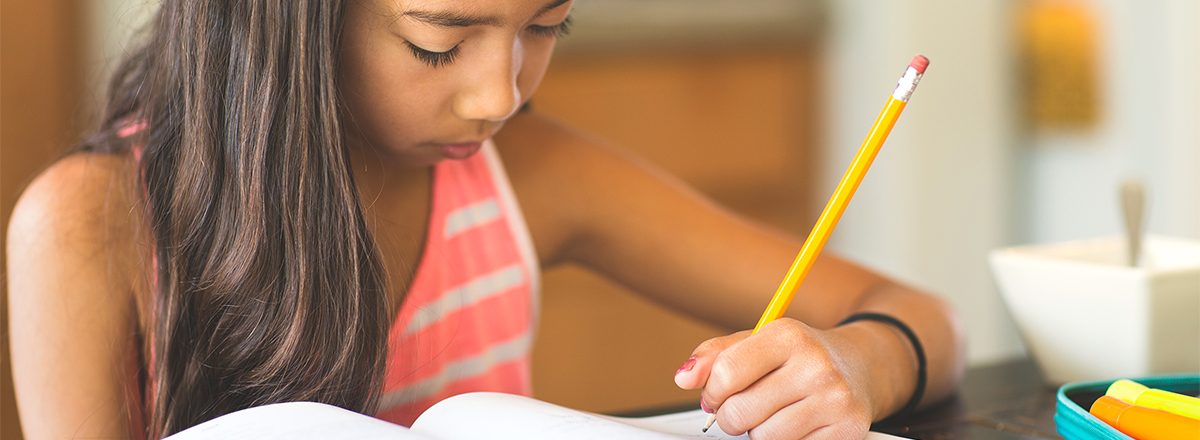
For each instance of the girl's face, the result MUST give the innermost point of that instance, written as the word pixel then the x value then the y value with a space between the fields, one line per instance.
pixel 426 80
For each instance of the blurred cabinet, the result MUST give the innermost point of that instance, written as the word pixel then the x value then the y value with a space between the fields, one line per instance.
pixel 736 122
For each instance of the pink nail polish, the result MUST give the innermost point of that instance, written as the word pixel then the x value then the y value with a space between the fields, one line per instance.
pixel 705 407
pixel 687 365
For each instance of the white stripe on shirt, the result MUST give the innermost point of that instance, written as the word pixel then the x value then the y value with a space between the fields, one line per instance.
pixel 474 291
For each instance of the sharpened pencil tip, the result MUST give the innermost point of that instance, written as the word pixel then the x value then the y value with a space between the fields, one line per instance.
pixel 711 418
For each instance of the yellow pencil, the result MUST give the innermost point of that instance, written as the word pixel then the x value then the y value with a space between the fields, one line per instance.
pixel 841 196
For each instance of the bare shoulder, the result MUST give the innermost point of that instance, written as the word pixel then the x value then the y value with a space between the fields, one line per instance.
pixel 545 155
pixel 83 195
pixel 536 146
pixel 72 299
pixel 578 190
pixel 80 207
pixel 557 173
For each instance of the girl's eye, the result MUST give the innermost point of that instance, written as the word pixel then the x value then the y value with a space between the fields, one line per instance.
pixel 558 30
pixel 433 59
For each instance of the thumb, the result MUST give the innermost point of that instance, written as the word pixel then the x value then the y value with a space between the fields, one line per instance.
pixel 693 374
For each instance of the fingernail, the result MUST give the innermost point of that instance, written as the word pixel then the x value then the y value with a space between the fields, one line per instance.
pixel 705 407
pixel 687 365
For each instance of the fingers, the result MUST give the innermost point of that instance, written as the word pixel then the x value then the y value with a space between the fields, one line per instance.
pixel 822 413
pixel 752 406
pixel 694 372
pixel 792 422
pixel 814 418
pixel 742 364
pixel 788 381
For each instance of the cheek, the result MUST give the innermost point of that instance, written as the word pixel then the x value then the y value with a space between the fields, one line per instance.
pixel 388 99
pixel 533 68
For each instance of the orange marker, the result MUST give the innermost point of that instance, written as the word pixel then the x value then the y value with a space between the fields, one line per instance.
pixel 1144 423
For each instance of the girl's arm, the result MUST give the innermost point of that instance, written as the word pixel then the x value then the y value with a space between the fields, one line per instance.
pixel 596 205
pixel 70 308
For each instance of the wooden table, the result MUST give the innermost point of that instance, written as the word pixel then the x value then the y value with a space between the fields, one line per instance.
pixel 1002 402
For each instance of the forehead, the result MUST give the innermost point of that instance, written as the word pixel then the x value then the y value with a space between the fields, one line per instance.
pixel 472 12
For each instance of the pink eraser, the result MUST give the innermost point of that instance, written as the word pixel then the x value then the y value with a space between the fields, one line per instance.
pixel 919 62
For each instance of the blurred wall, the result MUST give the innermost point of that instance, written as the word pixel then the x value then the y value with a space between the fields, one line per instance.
pixel 1150 127
pixel 111 28
pixel 961 174
pixel 940 193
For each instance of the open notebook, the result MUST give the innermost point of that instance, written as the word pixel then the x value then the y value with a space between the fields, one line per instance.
pixel 492 416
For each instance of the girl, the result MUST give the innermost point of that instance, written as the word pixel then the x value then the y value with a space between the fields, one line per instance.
pixel 318 200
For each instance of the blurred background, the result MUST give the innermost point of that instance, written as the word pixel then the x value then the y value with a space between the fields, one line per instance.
pixel 1031 114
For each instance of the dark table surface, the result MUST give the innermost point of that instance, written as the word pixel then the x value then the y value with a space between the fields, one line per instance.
pixel 1001 402
pixel 1005 401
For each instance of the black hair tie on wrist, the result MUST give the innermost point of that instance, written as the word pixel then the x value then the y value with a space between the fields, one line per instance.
pixel 916 343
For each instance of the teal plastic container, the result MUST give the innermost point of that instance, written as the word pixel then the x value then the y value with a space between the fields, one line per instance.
pixel 1074 400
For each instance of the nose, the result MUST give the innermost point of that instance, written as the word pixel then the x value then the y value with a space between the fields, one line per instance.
pixel 491 91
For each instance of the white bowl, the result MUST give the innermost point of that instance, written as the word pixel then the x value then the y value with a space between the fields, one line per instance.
pixel 1086 316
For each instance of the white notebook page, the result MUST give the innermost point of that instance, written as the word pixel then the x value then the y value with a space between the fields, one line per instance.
pixel 296 421
pixel 505 416
pixel 688 424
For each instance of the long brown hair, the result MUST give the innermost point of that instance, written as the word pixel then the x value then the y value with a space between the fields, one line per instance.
pixel 268 285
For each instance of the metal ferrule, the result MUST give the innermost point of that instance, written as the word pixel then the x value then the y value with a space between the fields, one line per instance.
pixel 906 84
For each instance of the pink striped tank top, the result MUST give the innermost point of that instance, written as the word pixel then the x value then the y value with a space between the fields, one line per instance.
pixel 467 322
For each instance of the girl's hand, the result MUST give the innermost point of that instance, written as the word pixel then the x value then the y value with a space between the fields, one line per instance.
pixel 791 381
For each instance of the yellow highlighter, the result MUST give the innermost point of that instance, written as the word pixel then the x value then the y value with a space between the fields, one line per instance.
pixel 1137 394
pixel 841 196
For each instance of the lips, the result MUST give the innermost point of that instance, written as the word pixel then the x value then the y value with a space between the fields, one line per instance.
pixel 459 151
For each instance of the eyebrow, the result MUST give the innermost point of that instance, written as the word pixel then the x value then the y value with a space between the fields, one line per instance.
pixel 550 6
pixel 455 19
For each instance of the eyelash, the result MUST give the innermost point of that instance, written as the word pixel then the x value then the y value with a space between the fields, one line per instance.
pixel 556 31
pixel 438 59
pixel 433 59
